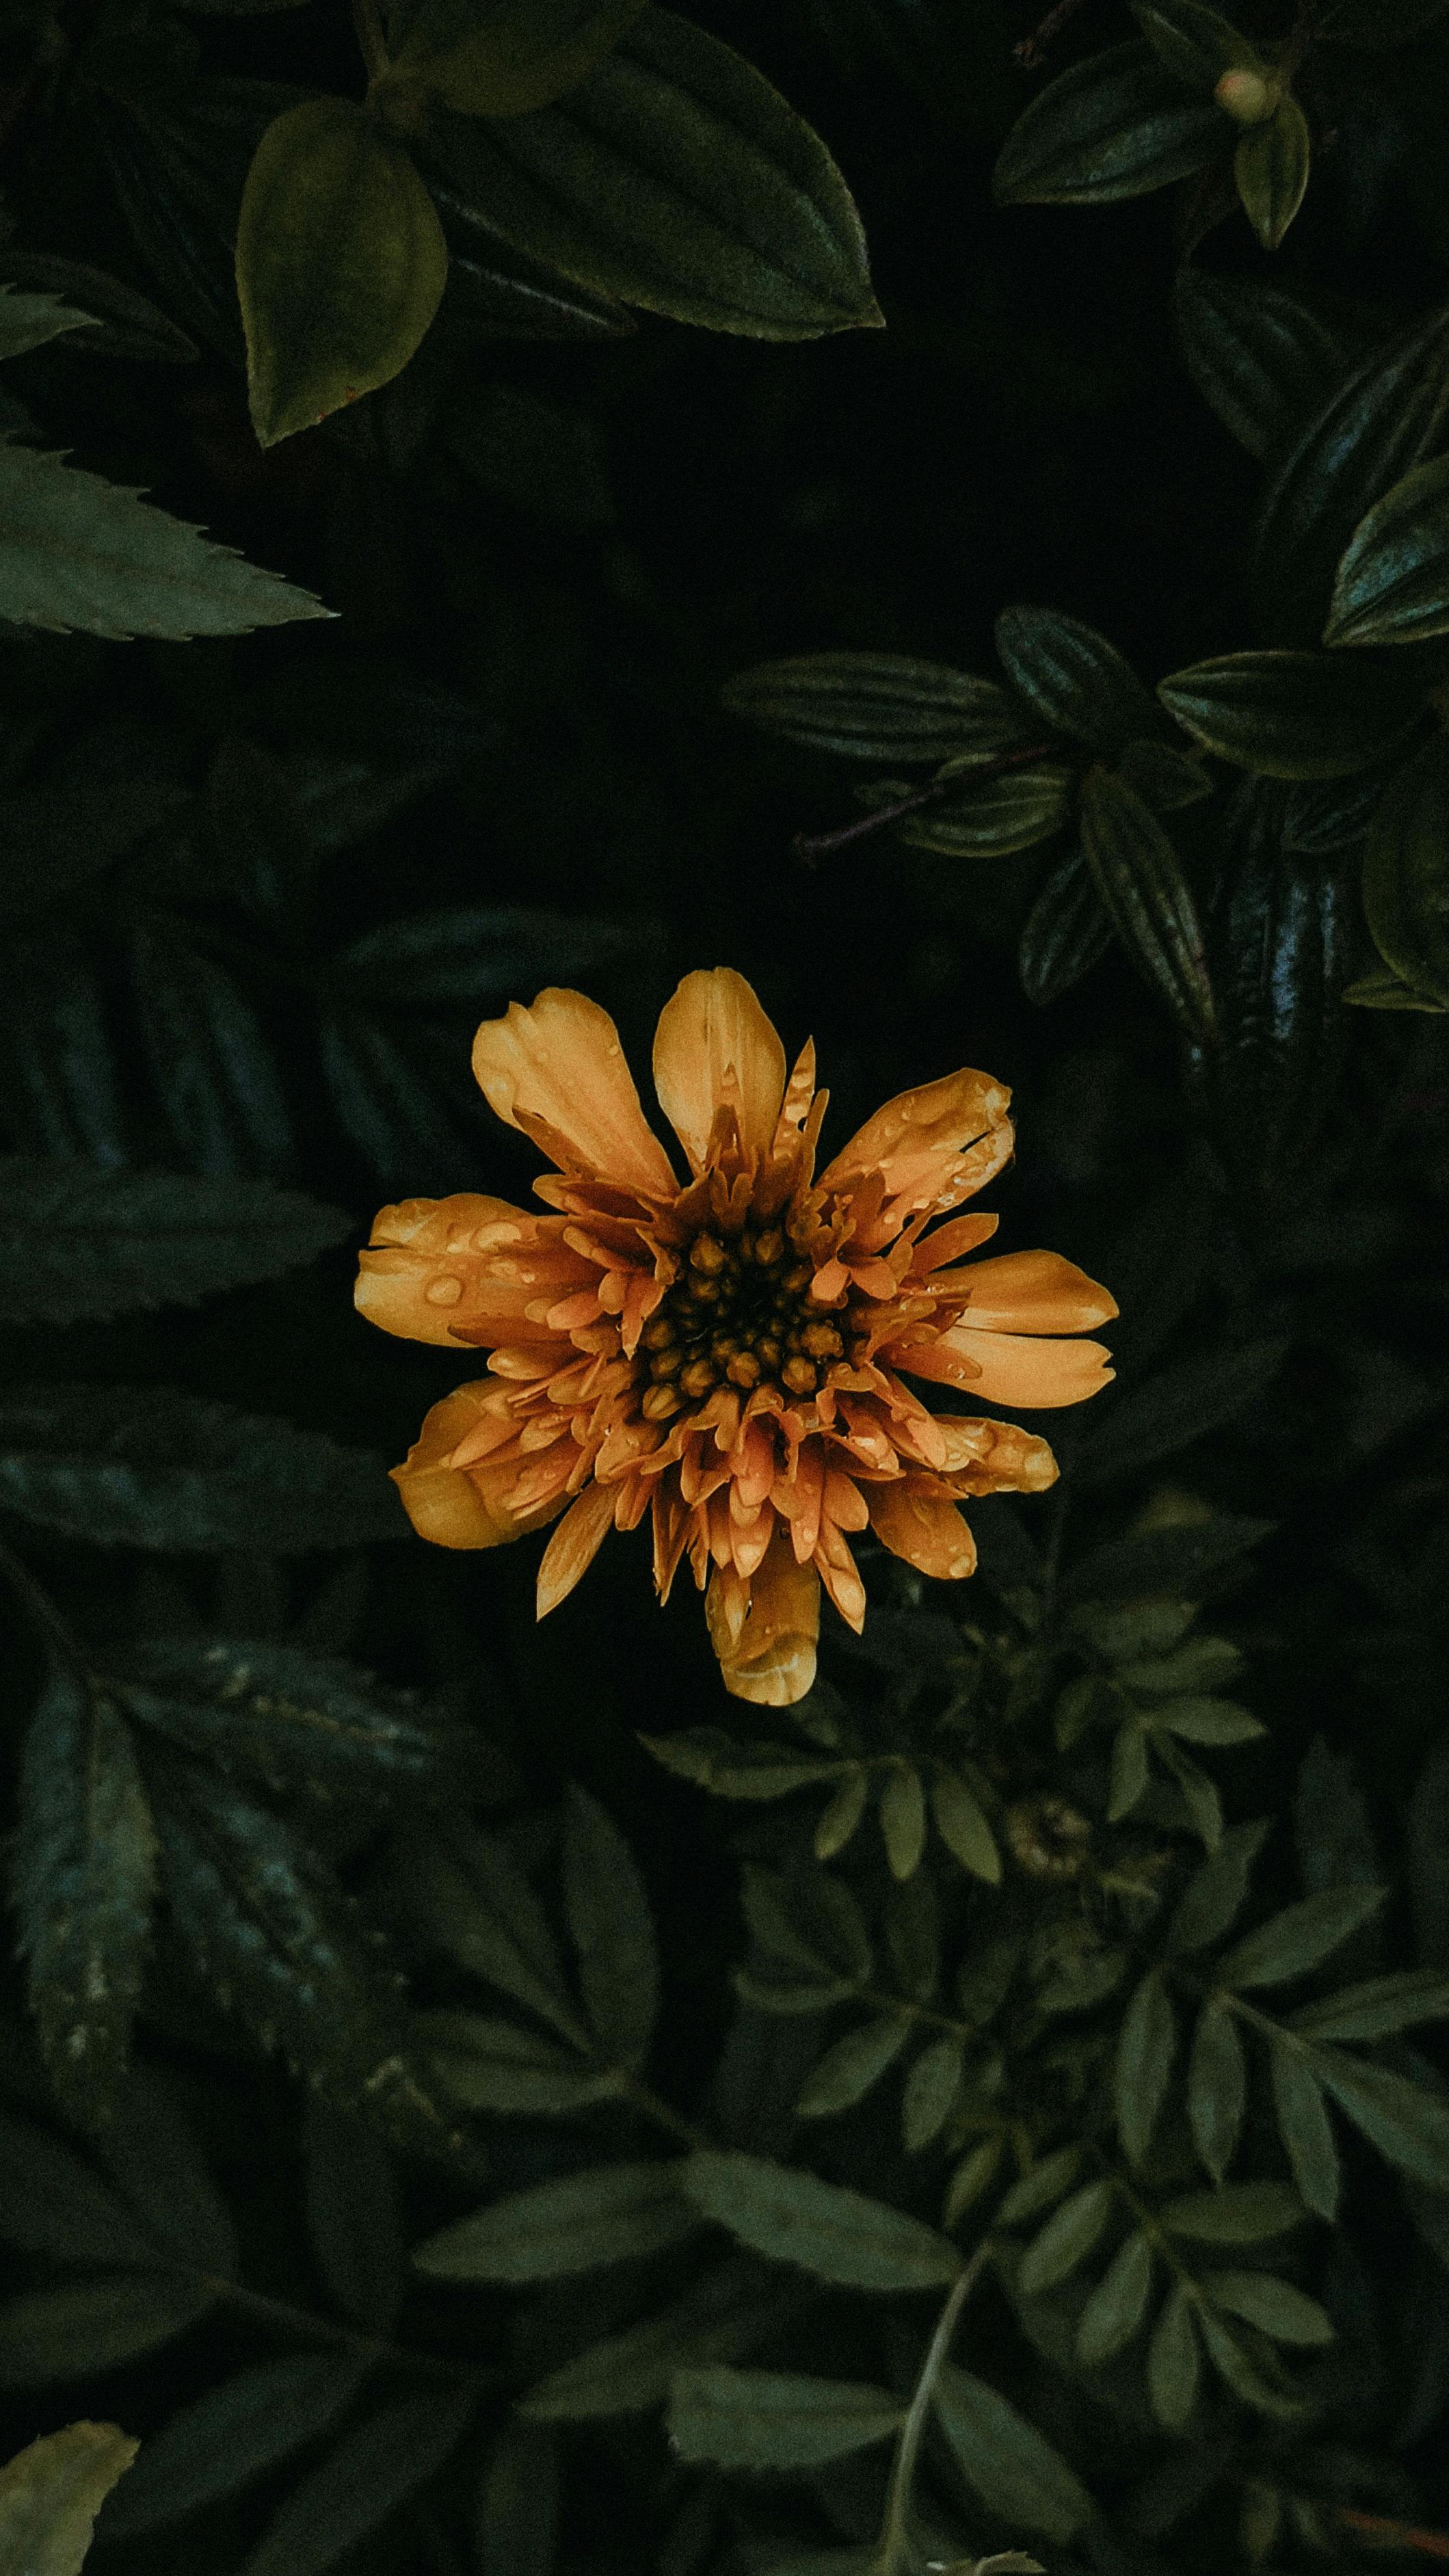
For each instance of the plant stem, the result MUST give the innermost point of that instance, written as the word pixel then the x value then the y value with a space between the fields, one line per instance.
pixel 662 2113
pixel 369 36
pixel 813 846
pixel 890 2558
pixel 314 2329
pixel 45 1616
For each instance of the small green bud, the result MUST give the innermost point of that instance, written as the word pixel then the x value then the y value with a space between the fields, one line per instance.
pixel 1249 97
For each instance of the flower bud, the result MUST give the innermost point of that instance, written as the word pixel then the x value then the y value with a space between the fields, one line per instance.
pixel 1249 97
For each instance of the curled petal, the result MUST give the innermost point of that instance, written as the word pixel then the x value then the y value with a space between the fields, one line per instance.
pixel 933 1146
pixel 914 1520
pixel 465 1269
pixel 984 1457
pixel 466 1506
pixel 764 1630
pixel 575 1544
pixel 715 1049
pixel 557 1071
pixel 1034 1292
pixel 1010 1368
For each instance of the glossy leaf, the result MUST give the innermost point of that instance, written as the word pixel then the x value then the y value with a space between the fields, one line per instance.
pixel 836 2234
pixel 341 264
pixel 1115 125
pixel 1146 2052
pixel 1073 679
pixel 762 2419
pixel 991 817
pixel 370 2473
pixel 1305 2129
pixel 886 707
pixel 78 1242
pixel 233 2435
pixel 51 2493
pixel 603 2216
pixel 1393 582
pixel 678 179
pixel 1118 2304
pixel 1006 2461
pixel 1140 880
pixel 1270 168
pixel 1294 715
pixel 1406 873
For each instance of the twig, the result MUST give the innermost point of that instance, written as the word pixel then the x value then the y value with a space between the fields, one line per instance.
pixel 814 846
pixel 891 2556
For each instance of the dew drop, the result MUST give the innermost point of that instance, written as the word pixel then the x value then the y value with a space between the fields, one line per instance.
pixel 443 1292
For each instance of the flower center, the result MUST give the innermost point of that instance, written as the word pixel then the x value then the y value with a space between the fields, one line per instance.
pixel 742 1316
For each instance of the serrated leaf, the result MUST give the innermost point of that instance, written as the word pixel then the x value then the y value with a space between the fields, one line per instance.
pixel 1217 2087
pixel 1305 2129
pixel 1116 125
pixel 149 1467
pixel 1174 2360
pixel 845 2074
pixel 1066 2240
pixel 352 2216
pixel 1241 2213
pixel 468 1892
pixel 28 321
pixel 91 2327
pixel 607 2215
pixel 1146 2053
pixel 903 1820
pixel 1405 875
pixel 676 178
pixel 83 555
pixel 1006 2461
pixel 1298 1938
pixel 732 2308
pixel 493 2065
pixel 84 1879
pixel 812 1921
pixel 612 1928
pixel 1073 679
pixel 78 1242
pixel 763 2419
pixel 233 2435
pixel 1270 167
pixel 1294 715
pixel 1407 2123
pixel 1066 931
pixel 884 707
pixel 1275 2307
pixel 51 2493
pixel 52 2203
pixel 1377 2007
pixel 341 264
pixel 1261 356
pixel 836 2234
pixel 1150 904
pixel 372 2470
pixel 1118 2304
pixel 1393 580
pixel 515 2530
pixel 730 1768
pixel 931 2091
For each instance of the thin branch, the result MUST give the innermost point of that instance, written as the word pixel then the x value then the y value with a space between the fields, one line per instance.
pixel 891 2556
pixel 311 2328
pixel 814 846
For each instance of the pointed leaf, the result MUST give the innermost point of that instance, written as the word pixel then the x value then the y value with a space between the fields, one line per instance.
pixel 612 1928
pixel 1174 2361
pixel 605 2216
pixel 932 2089
pixel 1275 2307
pixel 1271 170
pixel 471 1897
pixel 962 1826
pixel 1008 2463
pixel 845 2074
pixel 903 1821
pixel 1305 2129
pixel 1294 715
pixel 52 2203
pixel 1217 2088
pixel 372 2471
pixel 737 2305
pixel 50 2496
pixel 1113 126
pixel 1118 2304
pixel 763 2419
pixel 838 2235
pixel 1376 2008
pixel 91 2327
pixel 233 2435
pixel 1066 931
pixel 506 61
pixel 1298 1938
pixel 1393 581
pixel 1217 1892
pixel 1073 679
pixel 1406 873
pixel 1066 2240
pixel 1146 2051
pixel 1140 880
pixel 885 707
pixel 78 1242
pixel 1262 358
pixel 1405 2121
pixel 495 2066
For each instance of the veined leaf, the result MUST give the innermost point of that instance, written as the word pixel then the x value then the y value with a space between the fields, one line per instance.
pixel 1393 580
pixel 838 2235
pixel 885 707
pixel 209 1056
pixel 991 816
pixel 93 2326
pixel 1066 932
pixel 50 2496
pixel 1271 167
pixel 1294 715
pixel 845 2074
pixel 604 2216
pixel 1194 41
pixel 728 1768
pixel 1147 898
pixel 1146 2051
pixel 1305 2129
pixel 233 2435
pixel 1006 2461
pixel 1113 126
pixel 80 554
pixel 469 1894
pixel 1073 679
pixel 764 2419
pixel 1298 1938
pixel 1118 2304
pixel 80 1242
pixel 1377 2007
pixel 373 2470
pixel 613 1931
pixel 1406 875
pixel 1256 352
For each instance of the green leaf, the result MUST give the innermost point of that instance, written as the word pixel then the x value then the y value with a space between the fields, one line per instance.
pixel 1273 2306
pixel 1294 715
pixel 50 2496
pixel 931 2091
pixel 607 2215
pixel 1377 2007
pixel 765 2419
pixel 1215 1722
pixel 233 2435
pixel 1042 2183
pixel 903 1820
pixel 52 2203
pixel 1241 2371
pixel 1217 2088
pixel 1256 352
pixel 677 178
pixel 1298 1938
pixel 811 1921
pixel 1146 2051
pixel 1407 2123
pixel 515 2532
pixel 505 61
pixel 992 816
pixel 1270 167
pixel 150 2153
pixel 91 2327
pixel 28 321
pixel 884 707
pixel 1073 679
pixel 1130 1771
pixel 84 1878
pixel 1378 424
pixel 1177 1558
pixel 1147 898
pixel 962 1826
pixel 352 2217
pixel 1218 1890
pixel 1241 2213
pixel 1305 2129
pixel 1193 41
pixel 372 2471
pixel 840 1818
pixel 612 1929
pixel 469 1894
pixel 836 2234
pixel 340 264
pixel 1180 1404
pixel 1374 23
pixel 1174 2361
pixel 78 1242
pixel 495 2066
pixel 1405 876
pixel 845 2074
pixel 147 1467
pixel 209 1056
pixel 1118 2304
pixel 738 2304
pixel 730 1768
pixel 56 839
pixel 1006 2461
pixel 1116 125
pixel 80 554
pixel 1066 2240
pixel 1066 932
pixel 1382 990
pixel 1393 581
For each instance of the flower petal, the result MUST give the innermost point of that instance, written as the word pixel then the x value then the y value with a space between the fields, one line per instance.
pixel 716 1049
pixel 557 1072
pixel 1009 1368
pixel 1034 1292
pixel 765 1631
pixel 933 1146
pixel 986 1457
pixel 465 1269
pixel 920 1525
pixel 575 1544
pixel 464 1506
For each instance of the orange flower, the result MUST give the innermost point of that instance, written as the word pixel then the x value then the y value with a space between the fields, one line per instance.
pixel 726 1357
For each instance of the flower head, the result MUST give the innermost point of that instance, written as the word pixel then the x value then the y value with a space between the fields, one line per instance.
pixel 727 1356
